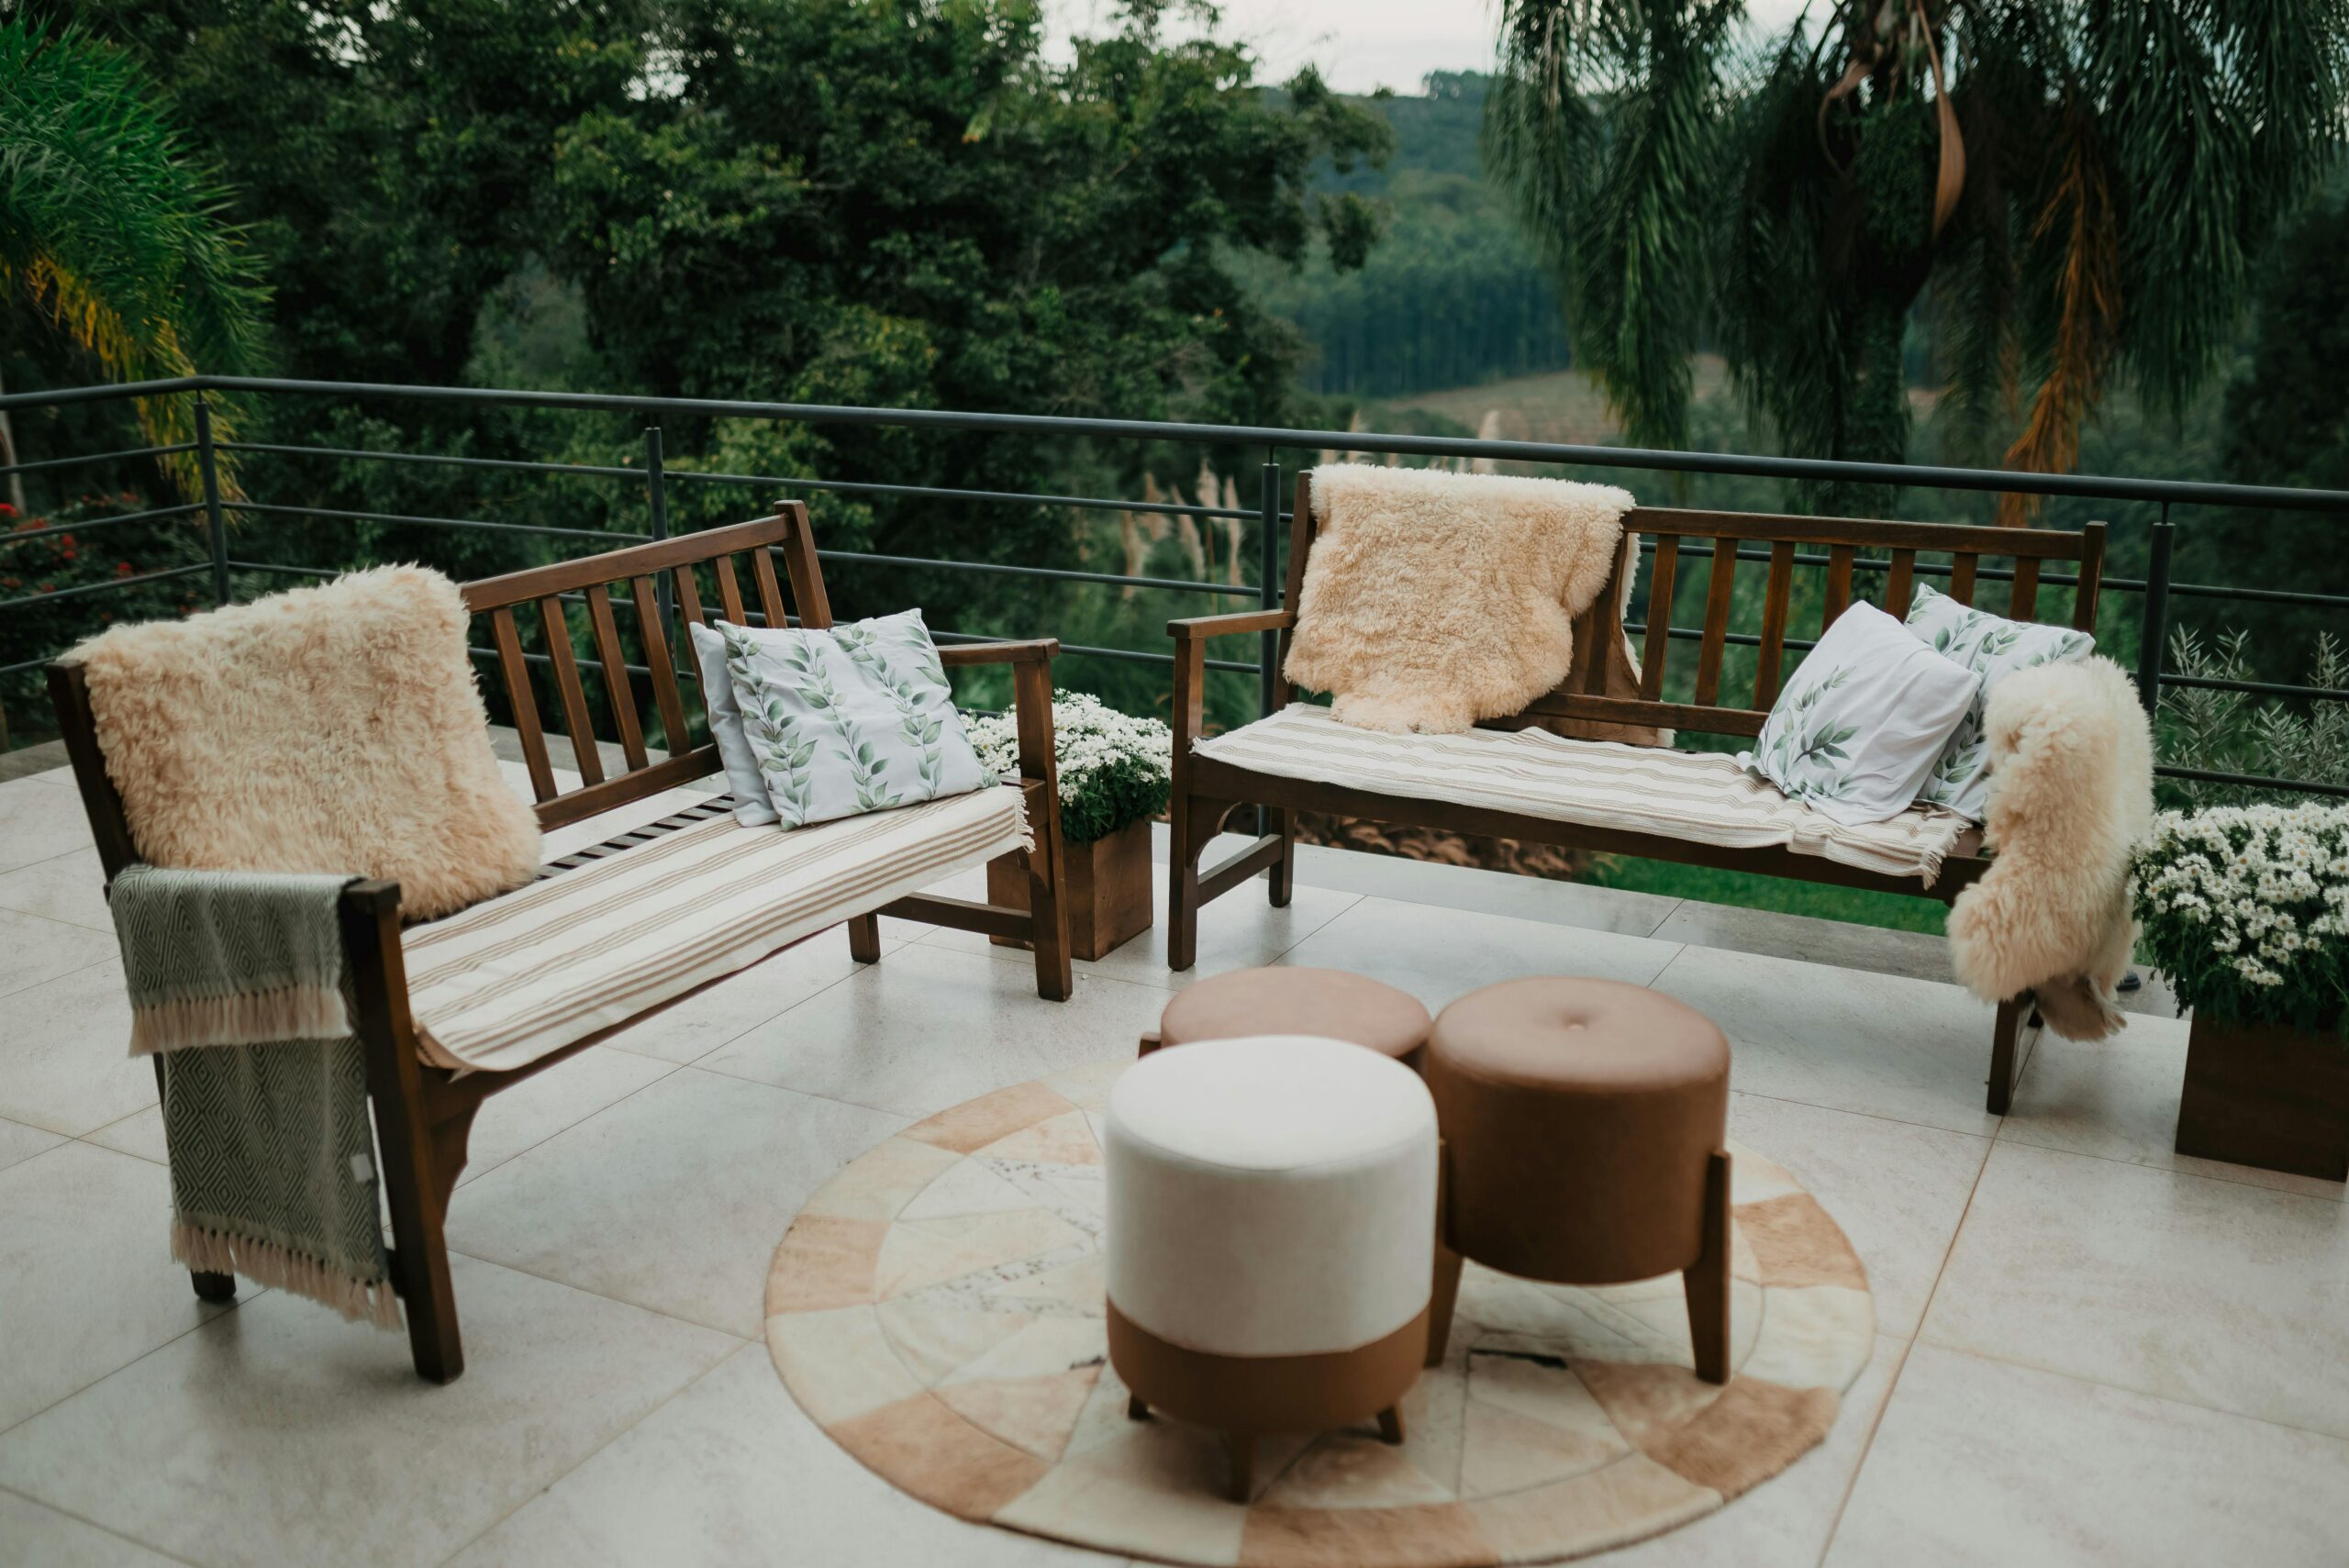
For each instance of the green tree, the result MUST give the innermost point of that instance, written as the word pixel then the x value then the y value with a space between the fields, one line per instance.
pixel 2069 188
pixel 111 235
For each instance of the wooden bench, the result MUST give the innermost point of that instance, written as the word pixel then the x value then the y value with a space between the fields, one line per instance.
pixel 1600 697
pixel 424 1113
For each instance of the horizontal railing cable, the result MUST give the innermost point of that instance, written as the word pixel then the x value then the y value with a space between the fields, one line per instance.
pixel 80 460
pixel 157 515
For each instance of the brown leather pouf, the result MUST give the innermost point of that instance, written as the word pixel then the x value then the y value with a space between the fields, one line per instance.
pixel 1326 1002
pixel 1583 1123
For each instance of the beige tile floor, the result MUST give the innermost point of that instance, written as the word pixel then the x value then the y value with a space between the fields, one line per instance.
pixel 2090 1351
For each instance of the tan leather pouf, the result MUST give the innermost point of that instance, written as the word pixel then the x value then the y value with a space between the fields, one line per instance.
pixel 1583 1124
pixel 1279 1000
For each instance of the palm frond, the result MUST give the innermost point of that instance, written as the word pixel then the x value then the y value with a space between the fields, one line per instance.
pixel 111 230
pixel 1605 123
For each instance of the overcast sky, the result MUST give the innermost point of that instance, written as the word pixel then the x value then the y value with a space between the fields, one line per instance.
pixel 1363 44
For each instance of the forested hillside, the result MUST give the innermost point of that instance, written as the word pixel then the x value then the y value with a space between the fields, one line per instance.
pixel 1453 296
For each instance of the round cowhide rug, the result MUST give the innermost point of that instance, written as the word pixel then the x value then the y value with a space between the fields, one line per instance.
pixel 936 1307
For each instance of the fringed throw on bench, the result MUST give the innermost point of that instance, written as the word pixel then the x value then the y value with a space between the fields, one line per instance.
pixel 239 978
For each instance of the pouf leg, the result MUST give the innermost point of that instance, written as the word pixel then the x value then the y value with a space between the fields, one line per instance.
pixel 1706 1280
pixel 1390 1424
pixel 1137 1407
pixel 1240 1449
pixel 1447 1294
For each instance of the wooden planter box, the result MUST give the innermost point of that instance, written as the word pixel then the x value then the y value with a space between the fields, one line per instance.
pixel 2267 1096
pixel 1108 890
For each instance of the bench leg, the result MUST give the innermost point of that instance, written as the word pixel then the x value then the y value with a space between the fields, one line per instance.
pixel 415 1187
pixel 2006 1052
pixel 1032 692
pixel 1282 882
pixel 1706 1280
pixel 1185 841
pixel 864 937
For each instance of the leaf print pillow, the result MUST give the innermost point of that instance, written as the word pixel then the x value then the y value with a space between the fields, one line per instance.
pixel 1993 648
pixel 852 719
pixel 1860 723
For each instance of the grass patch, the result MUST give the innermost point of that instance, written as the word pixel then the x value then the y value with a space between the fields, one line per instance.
pixel 1748 890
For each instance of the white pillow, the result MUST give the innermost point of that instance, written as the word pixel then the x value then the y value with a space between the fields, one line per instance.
pixel 855 718
pixel 1993 648
pixel 1862 719
pixel 751 807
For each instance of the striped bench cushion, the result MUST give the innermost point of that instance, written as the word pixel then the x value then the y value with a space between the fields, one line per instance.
pixel 1697 796
pixel 504 983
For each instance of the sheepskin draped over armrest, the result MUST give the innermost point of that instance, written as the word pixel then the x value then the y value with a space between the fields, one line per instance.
pixel 2071 792
pixel 1432 599
pixel 335 729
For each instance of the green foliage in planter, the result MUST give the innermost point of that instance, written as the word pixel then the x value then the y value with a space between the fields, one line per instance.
pixel 1115 770
pixel 2227 732
pixel 2246 909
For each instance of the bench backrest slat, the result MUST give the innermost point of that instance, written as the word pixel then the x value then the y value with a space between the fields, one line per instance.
pixel 641 569
pixel 1856 553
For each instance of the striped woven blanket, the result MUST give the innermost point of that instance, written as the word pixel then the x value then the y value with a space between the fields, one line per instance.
pixel 1697 796
pixel 240 979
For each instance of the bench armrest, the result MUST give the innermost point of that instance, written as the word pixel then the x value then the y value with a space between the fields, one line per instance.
pixel 1039 651
pixel 1198 628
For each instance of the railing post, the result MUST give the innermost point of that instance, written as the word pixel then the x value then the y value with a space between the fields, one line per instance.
pixel 656 495
pixel 2157 631
pixel 1268 580
pixel 207 462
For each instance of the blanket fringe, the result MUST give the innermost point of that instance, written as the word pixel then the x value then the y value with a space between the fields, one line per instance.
pixel 294 1012
pixel 271 1263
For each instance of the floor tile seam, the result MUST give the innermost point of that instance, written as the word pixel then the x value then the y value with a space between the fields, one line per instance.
pixel 860 970
pixel 2231 1181
pixel 1867 1446
pixel 1986 1137
pixel 62 973
pixel 53 920
pixel 2020 1141
pixel 258 1292
pixel 739 1340
pixel 2339 1439
pixel 103 1529
pixel 672 1068
pixel 904 1119
pixel 585 1458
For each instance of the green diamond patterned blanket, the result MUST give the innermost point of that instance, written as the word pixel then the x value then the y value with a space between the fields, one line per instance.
pixel 239 978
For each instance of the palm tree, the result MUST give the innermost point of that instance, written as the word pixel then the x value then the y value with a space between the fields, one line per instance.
pixel 110 232
pixel 2058 190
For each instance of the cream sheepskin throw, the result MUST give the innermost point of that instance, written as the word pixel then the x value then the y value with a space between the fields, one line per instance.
pixel 334 728
pixel 2071 791
pixel 1432 599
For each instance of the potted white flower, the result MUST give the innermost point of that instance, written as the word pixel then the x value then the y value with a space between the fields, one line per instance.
pixel 2246 909
pixel 1115 773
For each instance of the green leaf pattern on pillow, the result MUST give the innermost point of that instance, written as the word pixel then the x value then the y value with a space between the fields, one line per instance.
pixel 1992 647
pixel 1806 750
pixel 852 719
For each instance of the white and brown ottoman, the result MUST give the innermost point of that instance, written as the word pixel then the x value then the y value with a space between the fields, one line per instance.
pixel 1584 1124
pixel 1270 1205
pixel 1282 999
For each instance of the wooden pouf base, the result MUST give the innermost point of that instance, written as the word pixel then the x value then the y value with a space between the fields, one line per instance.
pixel 1245 1397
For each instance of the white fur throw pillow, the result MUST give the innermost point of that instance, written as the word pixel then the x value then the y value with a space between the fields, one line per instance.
pixel 1858 724
pixel 1432 599
pixel 334 728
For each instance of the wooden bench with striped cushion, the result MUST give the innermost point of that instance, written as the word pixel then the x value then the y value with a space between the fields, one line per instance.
pixel 1578 786
pixel 455 1010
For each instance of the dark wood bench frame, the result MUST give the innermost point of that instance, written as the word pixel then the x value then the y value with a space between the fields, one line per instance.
pixel 423 1113
pixel 1208 791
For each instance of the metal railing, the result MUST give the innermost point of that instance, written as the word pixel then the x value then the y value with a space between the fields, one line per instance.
pixel 2155 589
